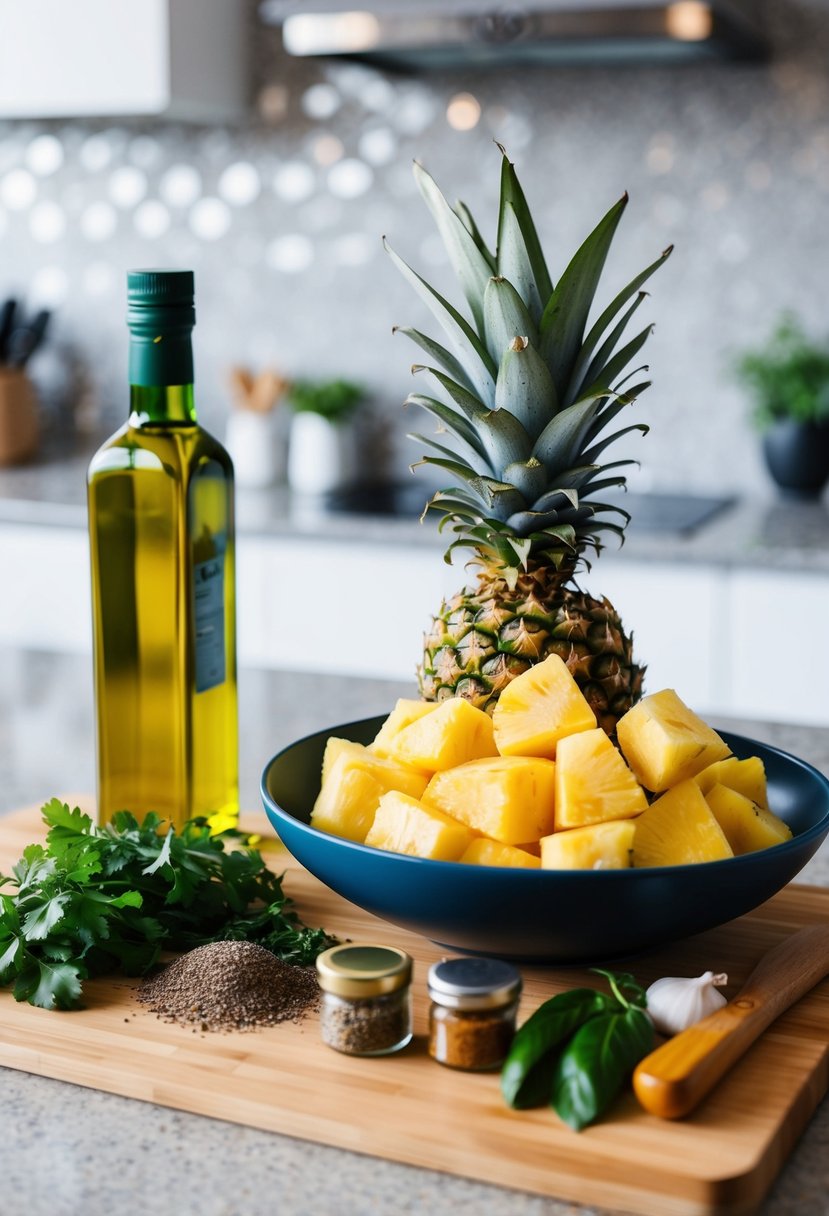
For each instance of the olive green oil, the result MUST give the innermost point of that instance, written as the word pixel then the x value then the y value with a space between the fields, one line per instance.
pixel 160 495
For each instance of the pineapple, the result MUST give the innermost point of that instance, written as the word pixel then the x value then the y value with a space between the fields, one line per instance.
pixel 665 742
pixel 747 827
pixel 404 713
pixel 353 783
pixel 593 783
pixel 747 777
pixel 509 798
pixel 485 852
pixel 454 733
pixel 538 708
pixel 524 400
pixel 600 846
pixel 404 825
pixel 678 829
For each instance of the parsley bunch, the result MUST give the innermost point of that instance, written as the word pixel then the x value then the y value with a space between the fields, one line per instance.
pixel 100 899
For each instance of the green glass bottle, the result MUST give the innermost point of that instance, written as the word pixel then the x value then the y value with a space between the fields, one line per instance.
pixel 161 529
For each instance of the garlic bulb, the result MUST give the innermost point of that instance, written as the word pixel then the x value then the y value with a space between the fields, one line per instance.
pixel 675 1004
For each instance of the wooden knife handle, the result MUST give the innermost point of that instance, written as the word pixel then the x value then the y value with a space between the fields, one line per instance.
pixel 674 1078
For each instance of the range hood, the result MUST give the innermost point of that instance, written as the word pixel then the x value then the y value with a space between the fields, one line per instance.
pixel 418 35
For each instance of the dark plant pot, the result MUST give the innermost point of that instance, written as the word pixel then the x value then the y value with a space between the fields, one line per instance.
pixel 797 456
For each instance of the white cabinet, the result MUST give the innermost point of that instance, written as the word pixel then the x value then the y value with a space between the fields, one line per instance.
pixel 779 631
pixel 73 58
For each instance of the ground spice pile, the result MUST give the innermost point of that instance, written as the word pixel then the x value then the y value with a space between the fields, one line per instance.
pixel 231 986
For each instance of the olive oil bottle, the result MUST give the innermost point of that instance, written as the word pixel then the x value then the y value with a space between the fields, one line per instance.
pixel 160 495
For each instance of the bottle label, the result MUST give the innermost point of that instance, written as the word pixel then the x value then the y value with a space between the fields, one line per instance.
pixel 209 617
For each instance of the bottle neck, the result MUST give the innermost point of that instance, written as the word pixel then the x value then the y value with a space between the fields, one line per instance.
pixel 161 369
pixel 162 403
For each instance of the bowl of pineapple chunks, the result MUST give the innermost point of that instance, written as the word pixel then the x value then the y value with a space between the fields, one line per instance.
pixel 533 835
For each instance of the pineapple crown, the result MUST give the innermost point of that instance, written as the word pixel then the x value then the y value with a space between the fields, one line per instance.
pixel 525 395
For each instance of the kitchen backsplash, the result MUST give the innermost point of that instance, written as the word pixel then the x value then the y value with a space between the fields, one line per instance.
pixel 282 221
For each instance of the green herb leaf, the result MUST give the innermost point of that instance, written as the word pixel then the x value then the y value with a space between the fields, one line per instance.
pixel 597 1060
pixel 99 899
pixel 525 1076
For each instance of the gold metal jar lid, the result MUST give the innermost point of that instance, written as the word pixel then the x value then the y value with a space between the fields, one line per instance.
pixel 363 971
pixel 473 983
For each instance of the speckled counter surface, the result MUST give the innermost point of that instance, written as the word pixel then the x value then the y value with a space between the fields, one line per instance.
pixel 67 1151
pixel 770 533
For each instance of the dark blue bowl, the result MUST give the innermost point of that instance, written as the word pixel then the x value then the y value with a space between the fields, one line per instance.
pixel 563 916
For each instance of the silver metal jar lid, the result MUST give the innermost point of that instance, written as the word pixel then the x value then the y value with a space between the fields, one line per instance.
pixel 473 983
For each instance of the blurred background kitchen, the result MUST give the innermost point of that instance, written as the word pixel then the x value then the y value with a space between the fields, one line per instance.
pixel 187 135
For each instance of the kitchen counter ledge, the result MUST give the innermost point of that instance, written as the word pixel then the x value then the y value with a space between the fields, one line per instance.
pixel 767 534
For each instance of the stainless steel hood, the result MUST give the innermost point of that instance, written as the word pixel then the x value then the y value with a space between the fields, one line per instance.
pixel 419 35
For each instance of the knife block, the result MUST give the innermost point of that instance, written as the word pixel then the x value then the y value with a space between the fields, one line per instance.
pixel 19 429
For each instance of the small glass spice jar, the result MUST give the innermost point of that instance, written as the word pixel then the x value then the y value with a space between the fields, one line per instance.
pixel 472 1015
pixel 366 1007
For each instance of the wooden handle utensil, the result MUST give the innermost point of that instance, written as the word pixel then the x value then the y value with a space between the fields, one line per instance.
pixel 672 1080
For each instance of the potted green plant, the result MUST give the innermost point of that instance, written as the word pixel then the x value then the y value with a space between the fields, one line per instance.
pixel 321 454
pixel 788 379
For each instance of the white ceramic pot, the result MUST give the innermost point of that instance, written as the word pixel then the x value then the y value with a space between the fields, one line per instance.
pixel 253 444
pixel 320 454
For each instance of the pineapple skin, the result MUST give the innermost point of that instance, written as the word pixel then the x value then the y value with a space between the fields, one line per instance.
pixel 485 636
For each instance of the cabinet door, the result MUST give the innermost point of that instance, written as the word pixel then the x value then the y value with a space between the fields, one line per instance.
pixel 76 58
pixel 780 640
pixel 343 608
pixel 677 616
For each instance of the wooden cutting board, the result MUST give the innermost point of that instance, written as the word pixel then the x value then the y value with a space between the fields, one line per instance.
pixel 406 1108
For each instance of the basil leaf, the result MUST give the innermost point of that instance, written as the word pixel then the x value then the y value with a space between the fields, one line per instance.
pixel 525 1076
pixel 597 1060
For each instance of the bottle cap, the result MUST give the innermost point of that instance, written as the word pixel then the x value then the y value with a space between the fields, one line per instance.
pixel 160 317
pixel 160 288
pixel 362 971
pixel 473 983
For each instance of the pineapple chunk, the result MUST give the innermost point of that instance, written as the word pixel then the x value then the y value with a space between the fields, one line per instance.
pixel 509 798
pixel 747 827
pixel 354 781
pixel 538 708
pixel 404 825
pixel 747 777
pixel 335 747
pixel 593 783
pixel 451 734
pixel 484 852
pixel 404 713
pixel 664 742
pixel 677 829
pixel 600 846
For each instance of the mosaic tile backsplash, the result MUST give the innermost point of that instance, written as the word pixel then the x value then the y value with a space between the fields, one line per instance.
pixel 282 220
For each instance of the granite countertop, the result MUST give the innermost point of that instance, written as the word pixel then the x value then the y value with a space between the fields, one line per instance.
pixel 768 534
pixel 68 1151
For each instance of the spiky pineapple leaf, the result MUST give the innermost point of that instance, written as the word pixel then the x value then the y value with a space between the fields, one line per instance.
pixel 438 353
pixel 504 438
pixel 613 408
pixel 528 476
pixel 474 459
pixel 525 387
pixel 465 216
pixel 598 448
pixel 505 318
pixel 619 361
pixel 565 316
pixel 473 354
pixel 513 195
pixel 561 438
pixel 469 264
pixel 471 405
pixel 616 305
pixel 596 371
pixel 452 421
pixel 514 262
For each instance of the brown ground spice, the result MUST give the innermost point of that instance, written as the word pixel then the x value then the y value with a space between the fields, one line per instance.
pixel 231 986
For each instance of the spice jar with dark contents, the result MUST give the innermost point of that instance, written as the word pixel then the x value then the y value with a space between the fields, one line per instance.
pixel 472 1015
pixel 366 1000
